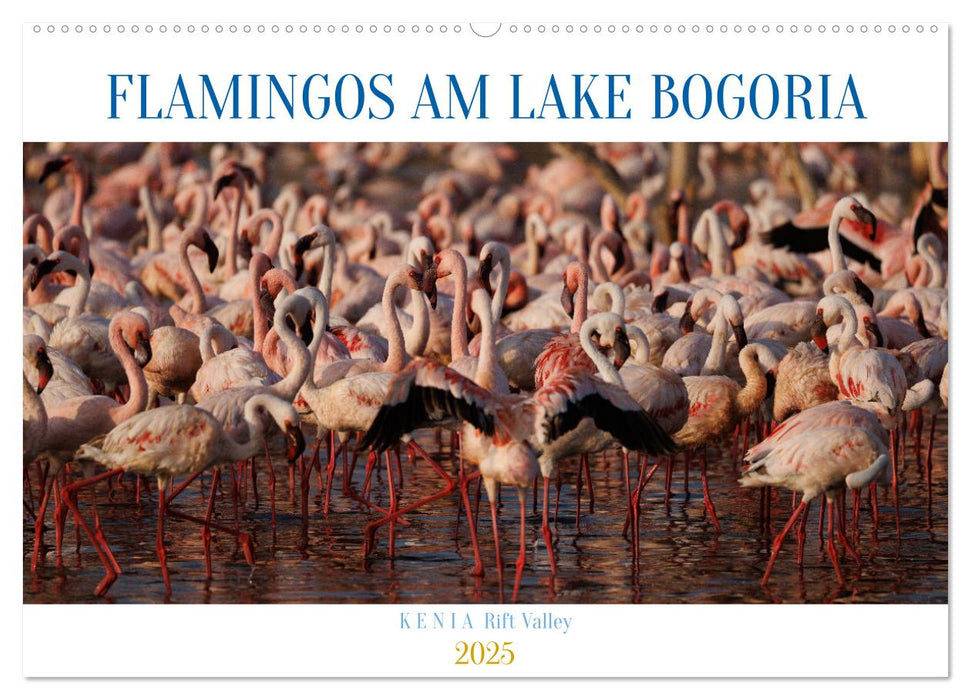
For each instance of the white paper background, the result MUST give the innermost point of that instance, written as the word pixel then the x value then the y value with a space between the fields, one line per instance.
pixel 900 638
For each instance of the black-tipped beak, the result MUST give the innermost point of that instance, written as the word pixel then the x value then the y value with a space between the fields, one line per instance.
pixel 300 248
pixel 687 323
pixel 683 269
pixel 566 300
pixel 429 284
pixel 307 331
pixel 871 327
pixel 741 338
pixel 55 165
pixel 90 268
pixel 864 291
pixel 922 326
pixel 143 353
pixel 212 252
pixel 817 331
pixel 221 184
pixel 872 220
pixel 245 248
pixel 485 270
pixel 295 443
pixel 45 370
pixel 45 267
pixel 621 348
pixel 660 302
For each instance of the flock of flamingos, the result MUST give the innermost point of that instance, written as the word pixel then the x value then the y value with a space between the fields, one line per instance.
pixel 175 323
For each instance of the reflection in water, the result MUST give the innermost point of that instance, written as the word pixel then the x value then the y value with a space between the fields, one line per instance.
pixel 682 559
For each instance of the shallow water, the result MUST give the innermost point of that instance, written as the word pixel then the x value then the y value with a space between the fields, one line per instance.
pixel 682 558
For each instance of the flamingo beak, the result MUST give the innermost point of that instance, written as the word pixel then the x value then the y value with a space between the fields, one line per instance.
pixel 864 291
pixel 660 302
pixel 222 183
pixel 817 331
pixel 429 284
pixel 687 322
pixel 143 352
pixel 621 348
pixel 741 338
pixel 45 370
pixel 295 442
pixel 44 268
pixel 212 252
pixel 683 269
pixel 55 165
pixel 922 326
pixel 485 269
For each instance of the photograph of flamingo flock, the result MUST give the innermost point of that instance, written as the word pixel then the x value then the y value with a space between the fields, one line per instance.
pixel 480 373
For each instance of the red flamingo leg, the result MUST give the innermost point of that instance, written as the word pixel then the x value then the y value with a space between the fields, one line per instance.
pixel 252 476
pixel 160 543
pixel 67 497
pixel 271 481
pixel 830 544
pixel 687 463
pixel 917 427
pixel 206 529
pixel 667 484
pixel 641 482
pixel 579 489
pixel 801 534
pixel 709 505
pixel 586 473
pixel 627 489
pixel 547 533
pixel 874 508
pixel 521 561
pixel 331 467
pixel 895 485
pixel 46 487
pixel 777 544
pixel 104 543
pixel 495 535
pixel 181 487
pixel 392 504
pixel 928 462
pixel 245 539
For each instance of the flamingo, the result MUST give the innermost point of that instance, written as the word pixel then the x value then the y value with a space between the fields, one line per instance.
pixel 174 441
pixel 718 404
pixel 504 434
pixel 819 451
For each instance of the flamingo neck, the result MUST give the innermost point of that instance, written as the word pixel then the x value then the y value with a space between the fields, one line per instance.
pixel 604 366
pixel 926 249
pixel 192 280
pixel 205 342
pixel 38 228
pixel 289 385
pixel 233 233
pixel 597 268
pixel 721 262
pixel 417 337
pixel 532 246
pixel 499 299
pixel 835 247
pixel 751 395
pixel 684 229
pixel 152 222
pixel 460 308
pixel 580 300
pixel 642 346
pixel 259 315
pixel 272 247
pixel 138 387
pixel 396 338
pixel 487 367
pixel 715 362
pixel 77 210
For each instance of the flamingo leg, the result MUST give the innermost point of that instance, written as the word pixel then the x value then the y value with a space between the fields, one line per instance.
pixel 392 504
pixel 521 561
pixel 206 530
pixel 896 492
pixel 777 544
pixel 667 484
pixel 495 535
pixel 331 467
pixel 272 485
pixel 547 533
pixel 830 544
pixel 801 534
pixel 45 488
pixel 160 541
pixel 642 480
pixel 67 497
pixel 709 505
pixel 928 462
pixel 579 488
pixel 244 539
pixel 586 473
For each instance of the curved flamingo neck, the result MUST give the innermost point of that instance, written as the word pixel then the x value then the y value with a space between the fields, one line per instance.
pixel 454 264
pixel 396 338
pixel 642 346
pixel 258 266
pixel 715 362
pixel 532 243
pixel 501 254
pixel 580 298
pixel 929 249
pixel 417 335
pixel 835 246
pixel 233 233
pixel 604 366
pixel 192 280
pixel 37 227
pixel 597 268
pixel 138 387
pixel 152 222
pixel 487 366
pixel 721 263
pixel 751 395
pixel 684 227
pixel 77 211
pixel 272 247
pixel 289 385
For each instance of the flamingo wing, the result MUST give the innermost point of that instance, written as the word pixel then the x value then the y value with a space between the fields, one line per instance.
pixel 424 392
pixel 568 397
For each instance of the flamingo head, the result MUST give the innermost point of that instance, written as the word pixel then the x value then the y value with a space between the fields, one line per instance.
pixel 871 327
pixel 295 441
pixel 817 331
pixel 687 322
pixel 54 165
pixel 45 369
pixel 864 216
pixel 621 346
